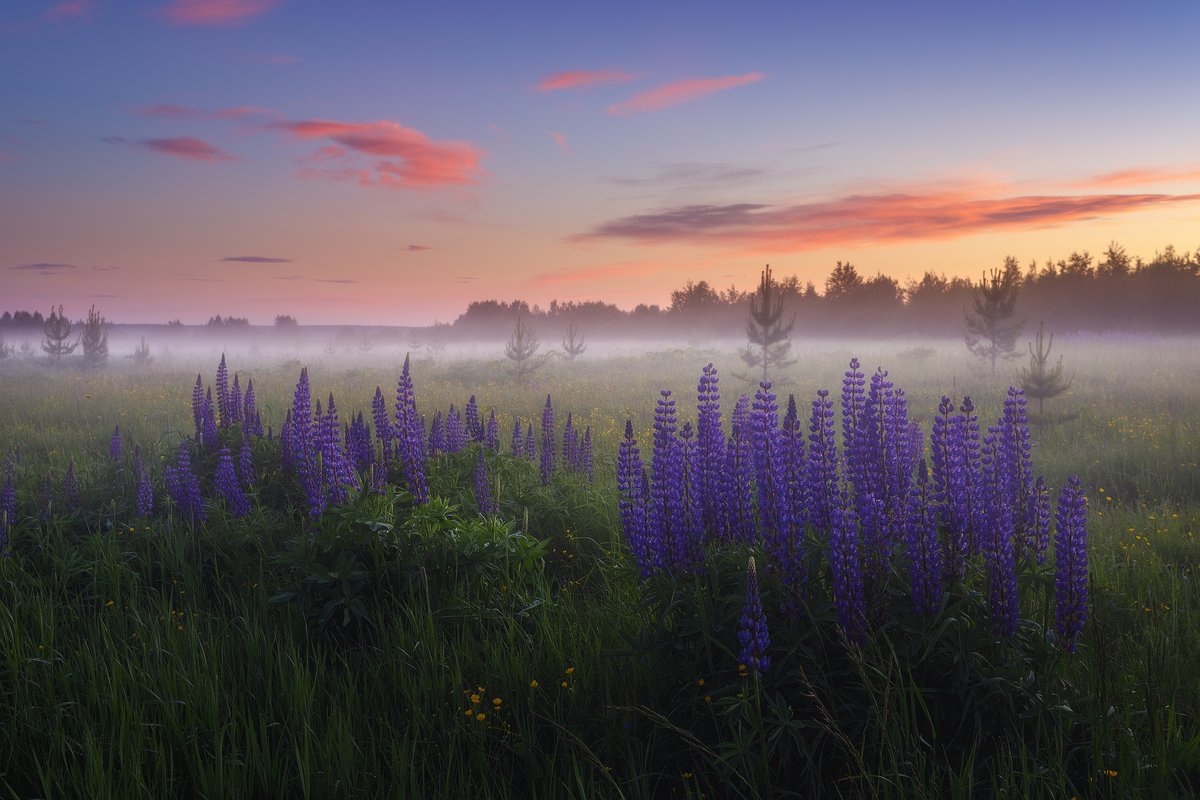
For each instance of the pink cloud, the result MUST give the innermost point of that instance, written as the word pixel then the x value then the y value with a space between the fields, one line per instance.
pixel 221 13
pixel 561 140
pixel 188 148
pixel 680 92
pixel 575 79
pixel 69 9
pixel 1140 176
pixel 418 248
pixel 407 158
pixel 869 219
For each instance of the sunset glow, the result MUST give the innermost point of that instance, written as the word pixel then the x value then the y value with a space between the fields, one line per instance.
pixel 391 164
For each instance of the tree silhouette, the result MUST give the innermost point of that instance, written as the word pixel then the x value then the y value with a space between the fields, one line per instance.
pixel 55 333
pixel 573 342
pixel 991 331
pixel 522 350
pixel 95 339
pixel 1038 379
pixel 770 339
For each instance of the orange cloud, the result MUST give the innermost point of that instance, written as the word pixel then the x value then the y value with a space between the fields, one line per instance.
pixel 221 13
pixel 422 162
pixel 1140 176
pixel 680 92
pixel 188 148
pixel 868 219
pixel 561 140
pixel 575 79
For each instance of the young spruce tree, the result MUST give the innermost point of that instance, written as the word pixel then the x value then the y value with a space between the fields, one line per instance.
pixel 522 349
pixel 991 330
pixel 1039 380
pixel 770 339
pixel 95 339
pixel 55 334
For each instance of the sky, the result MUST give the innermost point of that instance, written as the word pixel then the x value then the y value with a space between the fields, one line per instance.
pixel 374 162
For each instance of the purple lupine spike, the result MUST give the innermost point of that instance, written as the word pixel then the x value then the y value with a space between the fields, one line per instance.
pixel 456 437
pixel 145 489
pixel 183 487
pixel 973 505
pixel 208 426
pixel 531 451
pixel 710 452
pixel 853 402
pixel 548 443
pixel 586 457
pixel 383 428
pixel 114 446
pixel 781 539
pixel 1016 459
pixel 471 421
pixel 222 384
pixel 339 476
pixel 8 504
pixel 631 502
pixel 752 627
pixel 228 487
pixel 246 462
pixel 70 488
pixel 822 477
pixel 358 444
pixel 997 546
pixel 304 446
pixel 484 501
pixel 1041 516
pixel 251 421
pixel 379 475
pixel 923 548
pixel 437 436
pixel 738 476
pixel 846 569
pixel 1070 565
pixel 198 404
pixel 670 520
pixel 568 443
pixel 948 491
pixel 409 434
pixel 518 444
pixel 795 467
pixel 491 434
pixel 235 401
pixel 685 537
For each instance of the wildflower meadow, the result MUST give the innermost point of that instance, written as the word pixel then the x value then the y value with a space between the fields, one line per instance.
pixel 878 574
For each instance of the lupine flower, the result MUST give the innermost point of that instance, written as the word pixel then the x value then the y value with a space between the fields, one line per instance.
pixel 474 426
pixel 822 476
pixel 530 443
pixel 114 446
pixel 973 504
pixel 752 628
pixel 483 495
pixel 303 446
pixel 251 421
pixel 569 443
pixel 998 541
pixel 632 501
pixel 182 485
pixel 853 402
pixel 383 428
pixel 949 479
pixel 710 451
pixel 235 401
pixel 223 392
pixel 246 462
pixel 1041 516
pixel 548 443
pixel 846 569
pixel 775 510
pixel 738 478
pixel 338 473
pixel 409 433
pixel 228 487
pixel 198 404
pixel 1014 457
pixel 1070 565
pixel 456 435
pixel 70 488
pixel 208 424
pixel 145 489
pixel 358 443
pixel 663 502
pixel 491 434
pixel 923 548
pixel 685 538
pixel 437 435
pixel 518 448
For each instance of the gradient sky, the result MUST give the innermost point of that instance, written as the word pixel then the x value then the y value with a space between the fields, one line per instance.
pixel 387 163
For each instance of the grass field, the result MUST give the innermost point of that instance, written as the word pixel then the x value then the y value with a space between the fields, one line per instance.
pixel 391 650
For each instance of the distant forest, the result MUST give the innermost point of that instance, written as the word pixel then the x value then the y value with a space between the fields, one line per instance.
pixel 1116 292
pixel 1080 293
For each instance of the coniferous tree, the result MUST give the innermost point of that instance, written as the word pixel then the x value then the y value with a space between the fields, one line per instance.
pixel 56 331
pixel 770 339
pixel 991 330
pixel 522 349
pixel 573 342
pixel 95 339
pixel 1039 380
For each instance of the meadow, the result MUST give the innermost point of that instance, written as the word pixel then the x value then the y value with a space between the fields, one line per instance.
pixel 395 648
